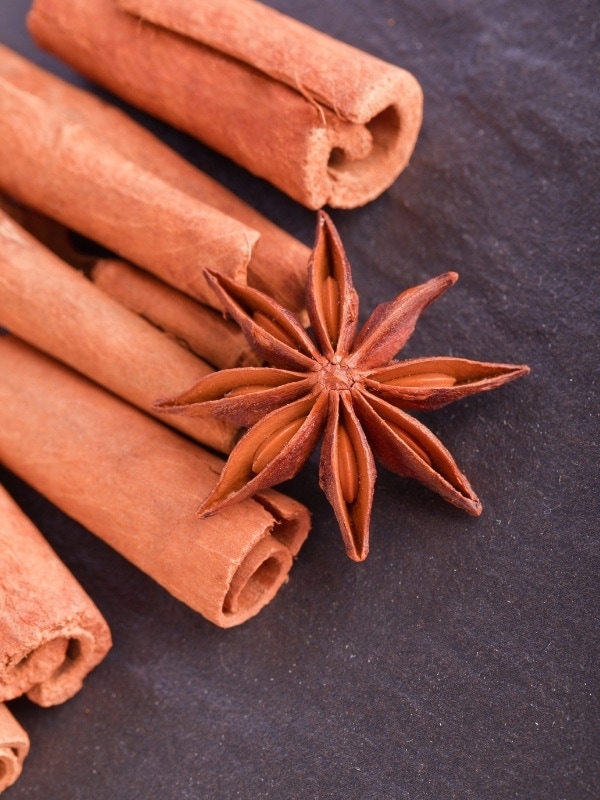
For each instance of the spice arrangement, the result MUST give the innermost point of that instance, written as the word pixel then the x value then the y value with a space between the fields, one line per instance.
pixel 110 359
pixel 51 633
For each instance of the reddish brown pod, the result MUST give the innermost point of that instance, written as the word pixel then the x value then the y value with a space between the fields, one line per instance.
pixel 344 386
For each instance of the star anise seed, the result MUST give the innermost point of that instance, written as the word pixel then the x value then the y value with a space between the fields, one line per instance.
pixel 343 387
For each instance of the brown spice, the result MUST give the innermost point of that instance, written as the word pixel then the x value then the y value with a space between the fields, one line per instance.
pixel 200 328
pixel 345 387
pixel 323 121
pixel 135 484
pixel 50 233
pixel 51 633
pixel 14 746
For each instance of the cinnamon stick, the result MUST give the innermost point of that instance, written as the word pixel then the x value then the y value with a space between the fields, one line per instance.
pixel 200 328
pixel 55 162
pixel 277 261
pixel 323 121
pixel 51 633
pixel 136 485
pixel 55 308
pixel 14 746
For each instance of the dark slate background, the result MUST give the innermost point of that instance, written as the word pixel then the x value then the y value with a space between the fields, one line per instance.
pixel 459 661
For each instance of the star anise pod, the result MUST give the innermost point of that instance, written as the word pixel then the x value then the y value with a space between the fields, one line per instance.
pixel 345 387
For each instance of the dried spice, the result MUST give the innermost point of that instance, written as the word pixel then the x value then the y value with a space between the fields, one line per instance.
pixel 14 747
pixel 194 325
pixel 345 387
pixel 51 633
pixel 240 76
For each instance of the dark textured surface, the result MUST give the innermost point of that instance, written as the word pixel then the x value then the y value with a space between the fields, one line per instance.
pixel 460 660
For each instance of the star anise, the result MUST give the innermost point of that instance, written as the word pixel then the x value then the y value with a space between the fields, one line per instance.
pixel 344 387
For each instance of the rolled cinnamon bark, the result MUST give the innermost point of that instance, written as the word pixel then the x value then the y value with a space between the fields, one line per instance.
pixel 14 746
pixel 200 328
pixel 53 307
pixel 136 485
pixel 58 164
pixel 51 633
pixel 278 261
pixel 323 121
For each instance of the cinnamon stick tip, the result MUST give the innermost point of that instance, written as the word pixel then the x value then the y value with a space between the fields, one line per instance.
pixel 14 747
pixel 292 518
pixel 84 650
pixel 257 579
pixel 10 767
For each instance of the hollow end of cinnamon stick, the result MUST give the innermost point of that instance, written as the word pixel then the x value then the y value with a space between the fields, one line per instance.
pixel 53 671
pixel 14 747
pixel 51 633
pixel 358 173
pixel 256 581
pixel 10 767
pixel 265 569
pixel 360 148
pixel 292 519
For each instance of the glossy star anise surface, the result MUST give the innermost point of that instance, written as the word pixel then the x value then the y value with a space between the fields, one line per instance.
pixel 343 387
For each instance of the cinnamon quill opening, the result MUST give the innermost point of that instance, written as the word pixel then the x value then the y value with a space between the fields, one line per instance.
pixel 51 633
pixel 262 572
pixel 14 747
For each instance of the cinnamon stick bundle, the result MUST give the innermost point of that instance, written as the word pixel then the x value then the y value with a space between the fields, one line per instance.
pixel 55 308
pixel 67 170
pixel 51 633
pixel 14 746
pixel 136 485
pixel 200 328
pixel 323 121
pixel 79 160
